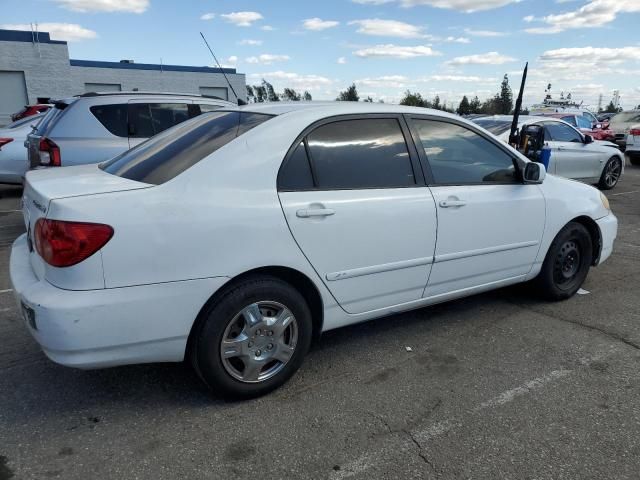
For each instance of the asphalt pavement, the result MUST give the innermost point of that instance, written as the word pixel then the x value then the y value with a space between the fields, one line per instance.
pixel 499 385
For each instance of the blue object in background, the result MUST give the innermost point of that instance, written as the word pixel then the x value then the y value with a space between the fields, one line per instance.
pixel 545 157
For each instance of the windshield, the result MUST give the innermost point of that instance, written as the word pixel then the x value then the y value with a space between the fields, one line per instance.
pixel 173 151
pixel 626 117
pixel 497 127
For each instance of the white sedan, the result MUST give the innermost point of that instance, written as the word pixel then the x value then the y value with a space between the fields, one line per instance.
pixel 236 237
pixel 13 154
pixel 573 154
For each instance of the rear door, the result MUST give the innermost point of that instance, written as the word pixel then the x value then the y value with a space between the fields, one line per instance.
pixel 354 197
pixel 489 223
pixel 572 157
pixel 150 117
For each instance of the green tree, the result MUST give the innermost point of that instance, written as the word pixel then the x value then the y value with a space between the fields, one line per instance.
pixel 436 103
pixel 611 108
pixel 251 97
pixel 291 95
pixel 475 105
pixel 504 100
pixel 368 100
pixel 412 99
pixel 464 108
pixel 272 96
pixel 260 93
pixel 306 96
pixel 349 95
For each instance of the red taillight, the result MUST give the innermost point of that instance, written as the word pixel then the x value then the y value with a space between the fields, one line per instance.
pixel 62 244
pixel 4 141
pixel 634 131
pixel 49 153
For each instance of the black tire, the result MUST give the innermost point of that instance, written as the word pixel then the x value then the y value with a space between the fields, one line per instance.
pixel 610 174
pixel 215 320
pixel 635 160
pixel 567 263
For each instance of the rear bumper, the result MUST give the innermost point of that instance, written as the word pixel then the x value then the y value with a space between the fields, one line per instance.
pixel 108 327
pixel 608 230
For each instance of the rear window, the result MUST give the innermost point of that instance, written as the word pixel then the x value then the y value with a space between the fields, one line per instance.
pixel 50 118
pixel 112 117
pixel 497 127
pixel 173 151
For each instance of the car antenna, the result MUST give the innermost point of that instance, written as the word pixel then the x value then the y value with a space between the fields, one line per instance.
pixel 513 138
pixel 240 102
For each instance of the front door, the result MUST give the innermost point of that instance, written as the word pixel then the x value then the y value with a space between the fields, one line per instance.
pixel 572 157
pixel 489 223
pixel 355 201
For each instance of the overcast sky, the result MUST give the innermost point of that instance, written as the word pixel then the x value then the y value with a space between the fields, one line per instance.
pixel 445 47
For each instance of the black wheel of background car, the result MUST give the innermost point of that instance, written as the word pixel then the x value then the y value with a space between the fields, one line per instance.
pixel 253 338
pixel 610 174
pixel 635 160
pixel 567 263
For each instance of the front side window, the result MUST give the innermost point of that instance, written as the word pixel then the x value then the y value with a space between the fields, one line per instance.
pixel 360 153
pixel 584 122
pixel 173 151
pixel 458 155
pixel 570 119
pixel 559 132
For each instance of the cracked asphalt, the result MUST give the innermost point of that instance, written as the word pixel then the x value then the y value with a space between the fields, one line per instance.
pixel 499 385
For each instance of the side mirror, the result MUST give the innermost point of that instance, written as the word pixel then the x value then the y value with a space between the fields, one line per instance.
pixel 588 139
pixel 534 172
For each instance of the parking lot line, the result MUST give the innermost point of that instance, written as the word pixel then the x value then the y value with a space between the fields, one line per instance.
pixel 7 290
pixel 623 193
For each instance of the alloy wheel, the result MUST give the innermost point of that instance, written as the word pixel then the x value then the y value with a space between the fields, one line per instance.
pixel 612 173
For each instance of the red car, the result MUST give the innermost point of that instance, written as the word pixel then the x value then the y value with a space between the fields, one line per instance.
pixel 29 110
pixel 582 123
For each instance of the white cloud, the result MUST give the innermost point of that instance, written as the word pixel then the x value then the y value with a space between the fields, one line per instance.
pixel 250 42
pixel 386 81
pixel 387 28
pixel 592 55
pixel 281 79
pixel 267 28
pixel 317 24
pixel 457 40
pixel 529 18
pixel 484 33
pixel 342 60
pixel 396 51
pixel 208 16
pixel 133 6
pixel 467 6
pixel 71 32
pixel 242 19
pixel 372 2
pixel 595 13
pixel 460 78
pixel 490 58
pixel 267 59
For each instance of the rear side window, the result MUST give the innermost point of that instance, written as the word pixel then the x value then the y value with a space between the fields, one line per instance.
pixel 204 107
pixel 173 151
pixel 296 171
pixel 360 153
pixel 112 117
pixel 166 115
pixel 140 124
pixel 458 155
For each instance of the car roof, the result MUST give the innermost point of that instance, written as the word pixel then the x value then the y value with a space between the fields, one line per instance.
pixel 139 94
pixel 331 108
pixel 522 119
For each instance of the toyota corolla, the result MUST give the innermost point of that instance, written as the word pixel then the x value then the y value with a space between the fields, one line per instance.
pixel 237 237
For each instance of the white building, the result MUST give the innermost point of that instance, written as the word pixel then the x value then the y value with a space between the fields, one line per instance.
pixel 35 68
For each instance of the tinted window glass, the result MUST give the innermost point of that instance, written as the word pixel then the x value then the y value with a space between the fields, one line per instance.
pixel 173 151
pixel 558 132
pixel 458 155
pixel 140 125
pixel 570 119
pixel 166 115
pixel 584 122
pixel 497 127
pixel 112 117
pixel 367 153
pixel 296 172
pixel 208 108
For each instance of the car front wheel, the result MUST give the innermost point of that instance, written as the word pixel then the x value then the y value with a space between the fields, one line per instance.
pixel 567 263
pixel 610 174
pixel 253 339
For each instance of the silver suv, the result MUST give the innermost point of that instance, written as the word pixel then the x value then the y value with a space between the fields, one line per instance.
pixel 94 127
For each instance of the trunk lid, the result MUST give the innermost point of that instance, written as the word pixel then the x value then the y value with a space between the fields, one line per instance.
pixel 43 186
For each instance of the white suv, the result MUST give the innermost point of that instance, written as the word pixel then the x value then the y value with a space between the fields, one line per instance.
pixel 94 127
pixel 633 145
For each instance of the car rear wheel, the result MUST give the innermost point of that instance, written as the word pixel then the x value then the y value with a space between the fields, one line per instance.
pixel 610 174
pixel 253 339
pixel 567 263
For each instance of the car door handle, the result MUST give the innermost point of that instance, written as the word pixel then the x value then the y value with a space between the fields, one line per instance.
pixel 315 212
pixel 561 148
pixel 452 203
